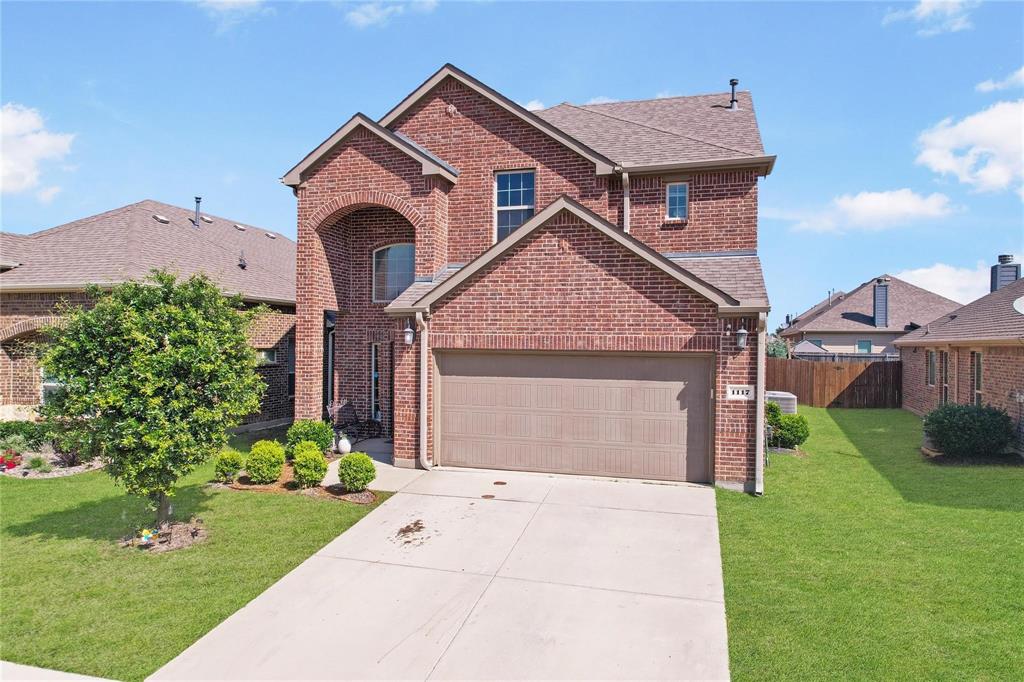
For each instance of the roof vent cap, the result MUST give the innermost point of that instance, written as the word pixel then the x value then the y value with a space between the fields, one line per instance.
pixel 206 219
pixel 240 228
pixel 271 235
pixel 160 218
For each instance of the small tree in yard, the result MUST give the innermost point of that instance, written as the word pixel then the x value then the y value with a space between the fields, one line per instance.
pixel 159 370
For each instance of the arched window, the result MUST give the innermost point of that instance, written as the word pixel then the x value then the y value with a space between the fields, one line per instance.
pixel 394 269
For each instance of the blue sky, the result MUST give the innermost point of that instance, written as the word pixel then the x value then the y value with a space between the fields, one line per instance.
pixel 897 126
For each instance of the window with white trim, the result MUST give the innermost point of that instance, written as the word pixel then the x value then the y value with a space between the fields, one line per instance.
pixel 943 377
pixel 513 201
pixel 677 201
pixel 394 269
pixel 864 346
pixel 818 342
pixel 48 385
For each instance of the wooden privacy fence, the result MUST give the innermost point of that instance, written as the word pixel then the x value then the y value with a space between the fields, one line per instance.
pixel 837 384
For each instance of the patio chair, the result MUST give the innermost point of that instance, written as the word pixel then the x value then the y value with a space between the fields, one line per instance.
pixel 347 421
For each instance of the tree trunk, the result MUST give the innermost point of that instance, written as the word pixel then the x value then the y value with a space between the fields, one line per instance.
pixel 163 509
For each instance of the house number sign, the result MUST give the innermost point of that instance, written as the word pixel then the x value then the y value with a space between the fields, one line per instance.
pixel 739 392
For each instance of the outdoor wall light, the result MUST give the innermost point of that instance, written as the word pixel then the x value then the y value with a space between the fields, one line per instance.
pixel 741 337
pixel 410 334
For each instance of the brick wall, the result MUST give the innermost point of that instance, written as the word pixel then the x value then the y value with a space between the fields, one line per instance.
pixel 20 375
pixel 1002 375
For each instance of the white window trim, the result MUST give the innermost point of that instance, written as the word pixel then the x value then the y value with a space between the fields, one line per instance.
pixel 978 377
pixel 494 198
pixel 373 269
pixel 44 383
pixel 676 219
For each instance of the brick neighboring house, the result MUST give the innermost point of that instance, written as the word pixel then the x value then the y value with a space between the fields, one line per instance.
pixel 39 270
pixel 975 354
pixel 867 320
pixel 567 290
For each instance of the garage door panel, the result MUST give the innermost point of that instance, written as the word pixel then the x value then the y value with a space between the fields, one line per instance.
pixel 637 416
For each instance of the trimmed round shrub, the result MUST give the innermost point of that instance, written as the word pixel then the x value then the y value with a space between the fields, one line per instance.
pixel 265 461
pixel 312 430
pixel 309 464
pixel 792 431
pixel 968 431
pixel 356 471
pixel 772 414
pixel 229 463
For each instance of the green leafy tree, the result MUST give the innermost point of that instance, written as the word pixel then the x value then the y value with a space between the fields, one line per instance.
pixel 777 348
pixel 158 371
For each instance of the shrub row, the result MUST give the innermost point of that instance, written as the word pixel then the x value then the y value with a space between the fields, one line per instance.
pixel 309 430
pixel 969 431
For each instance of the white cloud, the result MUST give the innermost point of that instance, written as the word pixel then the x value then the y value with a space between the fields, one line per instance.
pixel 962 284
pixel 1014 80
pixel 48 194
pixel 229 13
pixel 867 211
pixel 936 16
pixel 379 12
pixel 665 94
pixel 26 143
pixel 984 150
pixel 601 99
pixel 534 105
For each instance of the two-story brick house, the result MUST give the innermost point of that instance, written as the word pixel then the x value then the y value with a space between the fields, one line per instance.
pixel 570 290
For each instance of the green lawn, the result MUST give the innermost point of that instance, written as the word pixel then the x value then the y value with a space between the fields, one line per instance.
pixel 863 561
pixel 70 599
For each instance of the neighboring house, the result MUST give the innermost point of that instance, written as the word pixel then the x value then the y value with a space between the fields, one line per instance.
pixel 974 355
pixel 39 270
pixel 568 290
pixel 868 319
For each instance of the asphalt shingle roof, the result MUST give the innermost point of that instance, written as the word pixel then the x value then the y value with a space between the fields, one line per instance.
pixel 661 131
pixel 909 306
pixel 991 317
pixel 127 242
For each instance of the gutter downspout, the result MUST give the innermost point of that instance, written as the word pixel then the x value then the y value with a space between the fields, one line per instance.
pixel 625 202
pixel 421 327
pixel 762 352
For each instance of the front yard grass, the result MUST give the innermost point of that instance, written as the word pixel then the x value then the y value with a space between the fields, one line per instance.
pixel 864 561
pixel 71 599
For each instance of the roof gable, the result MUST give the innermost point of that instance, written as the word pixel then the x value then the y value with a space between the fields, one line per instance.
pixel 430 163
pixel 909 307
pixel 564 203
pixel 603 165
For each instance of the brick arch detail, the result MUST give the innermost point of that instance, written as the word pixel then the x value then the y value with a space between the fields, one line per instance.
pixel 353 201
pixel 28 326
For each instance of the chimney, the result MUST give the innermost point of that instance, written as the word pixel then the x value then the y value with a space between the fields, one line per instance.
pixel 195 221
pixel 1004 272
pixel 734 105
pixel 882 302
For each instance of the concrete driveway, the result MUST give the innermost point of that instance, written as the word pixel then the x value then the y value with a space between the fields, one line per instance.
pixel 493 575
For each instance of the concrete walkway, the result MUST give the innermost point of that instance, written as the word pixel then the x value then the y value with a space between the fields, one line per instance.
pixel 493 575
pixel 10 672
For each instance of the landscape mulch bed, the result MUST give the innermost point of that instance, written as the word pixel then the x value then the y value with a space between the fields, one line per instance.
pixel 169 537
pixel 287 485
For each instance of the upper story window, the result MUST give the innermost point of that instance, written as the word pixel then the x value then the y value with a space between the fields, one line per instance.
pixel 677 201
pixel 394 269
pixel 864 346
pixel 513 201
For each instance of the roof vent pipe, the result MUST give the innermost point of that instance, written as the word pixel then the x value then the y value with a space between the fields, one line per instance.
pixel 734 105
pixel 195 221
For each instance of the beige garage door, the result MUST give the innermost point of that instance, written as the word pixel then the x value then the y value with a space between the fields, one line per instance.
pixel 641 416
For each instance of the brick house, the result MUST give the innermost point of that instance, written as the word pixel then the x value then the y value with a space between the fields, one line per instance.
pixel 573 290
pixel 975 355
pixel 865 321
pixel 39 270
